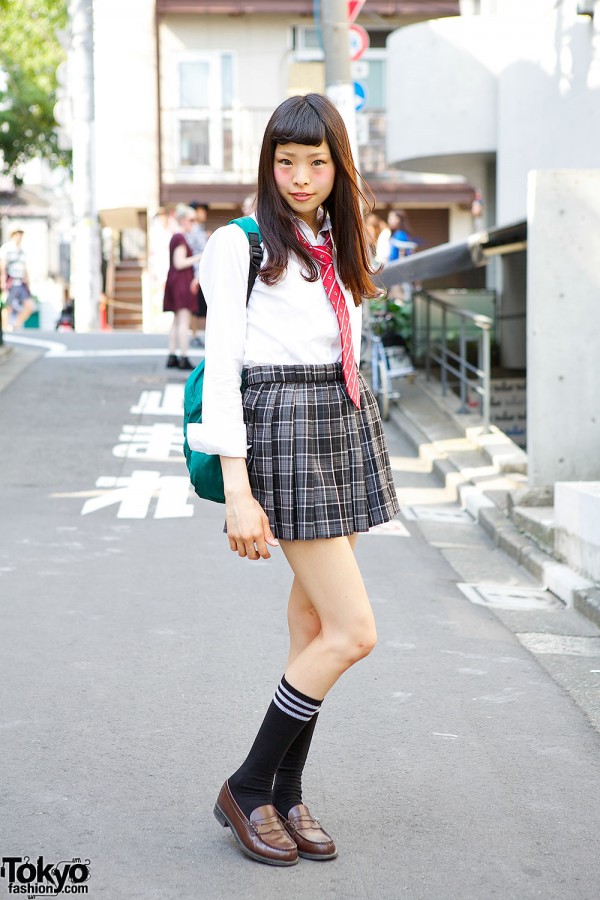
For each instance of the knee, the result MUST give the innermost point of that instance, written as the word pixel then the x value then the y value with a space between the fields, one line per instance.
pixel 354 645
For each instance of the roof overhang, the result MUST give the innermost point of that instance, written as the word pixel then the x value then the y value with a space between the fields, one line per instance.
pixel 423 9
pixel 460 256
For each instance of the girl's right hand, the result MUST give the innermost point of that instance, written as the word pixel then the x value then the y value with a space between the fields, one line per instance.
pixel 248 528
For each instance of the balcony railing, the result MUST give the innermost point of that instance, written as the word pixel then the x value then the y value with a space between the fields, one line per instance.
pixel 224 145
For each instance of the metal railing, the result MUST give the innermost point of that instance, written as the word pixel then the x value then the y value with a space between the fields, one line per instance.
pixel 471 328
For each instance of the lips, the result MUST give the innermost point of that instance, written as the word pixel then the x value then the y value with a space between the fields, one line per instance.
pixel 301 196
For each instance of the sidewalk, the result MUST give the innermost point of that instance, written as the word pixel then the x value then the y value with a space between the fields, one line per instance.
pixel 488 474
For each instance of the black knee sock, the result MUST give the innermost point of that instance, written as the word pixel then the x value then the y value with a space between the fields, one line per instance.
pixel 287 789
pixel 289 712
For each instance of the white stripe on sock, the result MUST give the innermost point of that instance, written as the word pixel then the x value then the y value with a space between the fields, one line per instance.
pixel 289 712
pixel 310 707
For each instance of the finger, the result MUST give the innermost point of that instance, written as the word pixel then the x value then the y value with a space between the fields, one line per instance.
pixel 241 548
pixel 232 543
pixel 251 551
pixel 261 548
pixel 269 536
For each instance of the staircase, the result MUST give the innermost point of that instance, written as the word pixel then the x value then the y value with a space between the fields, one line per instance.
pixel 125 303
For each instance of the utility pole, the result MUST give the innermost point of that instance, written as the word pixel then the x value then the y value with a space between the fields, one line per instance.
pixel 85 245
pixel 338 78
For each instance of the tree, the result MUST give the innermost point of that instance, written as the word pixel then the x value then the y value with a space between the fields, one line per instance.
pixel 30 52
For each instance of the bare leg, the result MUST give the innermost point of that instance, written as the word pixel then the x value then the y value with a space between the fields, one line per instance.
pixel 173 336
pixel 328 574
pixel 183 318
pixel 25 313
pixel 303 620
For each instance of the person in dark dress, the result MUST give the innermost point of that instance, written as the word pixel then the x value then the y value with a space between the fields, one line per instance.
pixel 181 289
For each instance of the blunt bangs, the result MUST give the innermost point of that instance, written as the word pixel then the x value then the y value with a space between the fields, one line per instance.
pixel 298 123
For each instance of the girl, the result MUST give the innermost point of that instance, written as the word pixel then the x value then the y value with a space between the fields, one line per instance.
pixel 401 242
pixel 317 470
pixel 181 288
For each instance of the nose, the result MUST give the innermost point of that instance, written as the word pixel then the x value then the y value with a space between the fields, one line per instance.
pixel 301 175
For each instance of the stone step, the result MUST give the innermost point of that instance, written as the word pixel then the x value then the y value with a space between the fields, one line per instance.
pixel 537 522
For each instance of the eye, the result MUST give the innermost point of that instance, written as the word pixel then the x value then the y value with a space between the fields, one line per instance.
pixel 284 162
pixel 319 162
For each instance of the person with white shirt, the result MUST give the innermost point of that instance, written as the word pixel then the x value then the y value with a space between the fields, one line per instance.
pixel 14 279
pixel 303 454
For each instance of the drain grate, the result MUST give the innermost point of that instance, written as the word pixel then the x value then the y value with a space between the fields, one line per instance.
pixel 561 644
pixel 449 514
pixel 506 596
pixel 394 528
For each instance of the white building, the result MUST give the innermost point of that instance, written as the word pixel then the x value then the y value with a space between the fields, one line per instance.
pixel 508 95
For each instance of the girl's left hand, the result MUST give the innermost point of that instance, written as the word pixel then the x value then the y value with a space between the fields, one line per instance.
pixel 248 528
pixel 194 286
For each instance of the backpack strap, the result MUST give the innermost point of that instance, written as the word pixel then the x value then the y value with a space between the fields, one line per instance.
pixel 250 227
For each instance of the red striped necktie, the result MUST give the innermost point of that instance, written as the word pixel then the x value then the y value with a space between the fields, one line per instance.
pixel 323 254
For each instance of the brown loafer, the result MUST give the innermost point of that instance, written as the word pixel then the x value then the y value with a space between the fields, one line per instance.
pixel 312 841
pixel 262 836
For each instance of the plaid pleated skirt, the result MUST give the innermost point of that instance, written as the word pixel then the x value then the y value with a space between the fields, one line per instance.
pixel 317 465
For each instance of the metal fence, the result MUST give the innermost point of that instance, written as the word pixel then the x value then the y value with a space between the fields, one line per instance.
pixel 451 335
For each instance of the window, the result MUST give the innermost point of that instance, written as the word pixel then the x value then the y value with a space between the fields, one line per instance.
pixel 306 43
pixel 204 111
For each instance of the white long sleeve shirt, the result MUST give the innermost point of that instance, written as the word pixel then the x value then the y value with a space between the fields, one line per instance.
pixel 289 323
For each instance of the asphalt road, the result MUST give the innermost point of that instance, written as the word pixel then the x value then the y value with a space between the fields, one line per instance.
pixel 137 657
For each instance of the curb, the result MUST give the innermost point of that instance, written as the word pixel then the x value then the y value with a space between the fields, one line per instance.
pixel 488 509
pixel 5 353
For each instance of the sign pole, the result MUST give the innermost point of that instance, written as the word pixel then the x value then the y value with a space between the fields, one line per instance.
pixel 338 80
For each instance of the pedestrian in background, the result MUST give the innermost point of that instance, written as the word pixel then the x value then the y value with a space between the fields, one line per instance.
pixel 317 469
pixel 380 237
pixel 248 204
pixel 181 288
pixel 197 239
pixel 401 241
pixel 14 279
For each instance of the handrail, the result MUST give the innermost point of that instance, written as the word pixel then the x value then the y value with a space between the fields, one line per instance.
pixel 474 377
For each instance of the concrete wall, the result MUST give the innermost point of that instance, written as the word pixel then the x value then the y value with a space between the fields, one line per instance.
pixel 126 104
pixel 577 526
pixel 563 326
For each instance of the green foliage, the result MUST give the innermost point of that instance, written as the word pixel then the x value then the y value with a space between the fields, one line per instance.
pixel 29 55
pixel 391 318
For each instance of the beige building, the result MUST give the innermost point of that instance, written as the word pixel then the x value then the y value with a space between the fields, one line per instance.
pixel 183 91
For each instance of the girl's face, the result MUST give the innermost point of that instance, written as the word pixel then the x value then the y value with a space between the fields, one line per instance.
pixel 304 176
pixel 186 224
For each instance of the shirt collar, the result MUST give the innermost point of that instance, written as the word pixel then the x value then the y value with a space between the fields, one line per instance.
pixel 324 227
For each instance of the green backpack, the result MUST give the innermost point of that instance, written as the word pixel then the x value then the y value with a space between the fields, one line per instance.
pixel 205 468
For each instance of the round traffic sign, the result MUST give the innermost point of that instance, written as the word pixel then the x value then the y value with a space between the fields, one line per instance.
pixel 359 41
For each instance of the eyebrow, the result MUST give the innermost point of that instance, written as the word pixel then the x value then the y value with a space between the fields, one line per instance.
pixel 310 155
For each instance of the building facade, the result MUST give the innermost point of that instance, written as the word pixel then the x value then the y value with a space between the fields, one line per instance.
pixel 512 103
pixel 183 118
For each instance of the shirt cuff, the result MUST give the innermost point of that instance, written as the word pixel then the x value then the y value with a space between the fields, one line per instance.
pixel 229 442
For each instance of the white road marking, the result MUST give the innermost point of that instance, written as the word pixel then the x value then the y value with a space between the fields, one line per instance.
pixel 160 442
pixel 160 403
pixel 133 495
pixel 108 354
pixel 54 348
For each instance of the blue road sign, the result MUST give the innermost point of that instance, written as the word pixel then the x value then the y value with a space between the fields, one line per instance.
pixel 360 96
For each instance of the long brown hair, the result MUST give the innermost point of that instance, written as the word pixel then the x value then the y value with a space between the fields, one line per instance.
pixel 310 120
